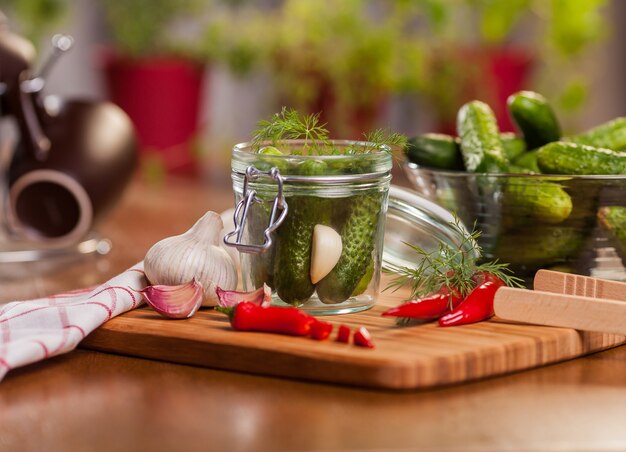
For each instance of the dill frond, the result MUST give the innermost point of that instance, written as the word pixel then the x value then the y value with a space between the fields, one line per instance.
pixel 451 267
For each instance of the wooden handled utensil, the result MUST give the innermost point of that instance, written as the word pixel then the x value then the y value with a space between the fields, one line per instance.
pixel 566 283
pixel 559 301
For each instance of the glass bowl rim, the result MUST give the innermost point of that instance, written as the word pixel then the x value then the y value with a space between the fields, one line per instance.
pixel 534 176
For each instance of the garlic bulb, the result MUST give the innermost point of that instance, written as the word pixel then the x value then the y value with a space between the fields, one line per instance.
pixel 194 254
pixel 229 225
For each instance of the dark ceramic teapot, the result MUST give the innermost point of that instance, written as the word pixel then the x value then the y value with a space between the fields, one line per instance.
pixel 73 158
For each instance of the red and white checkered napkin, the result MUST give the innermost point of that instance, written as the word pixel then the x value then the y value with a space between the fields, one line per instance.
pixel 38 329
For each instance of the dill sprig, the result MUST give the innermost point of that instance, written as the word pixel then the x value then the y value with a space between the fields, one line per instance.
pixel 383 139
pixel 451 267
pixel 291 125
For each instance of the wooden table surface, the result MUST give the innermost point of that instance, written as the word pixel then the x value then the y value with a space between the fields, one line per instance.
pixel 89 401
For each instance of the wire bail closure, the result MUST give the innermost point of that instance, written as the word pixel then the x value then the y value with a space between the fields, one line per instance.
pixel 241 212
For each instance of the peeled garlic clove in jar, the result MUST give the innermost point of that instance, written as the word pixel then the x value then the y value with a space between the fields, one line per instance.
pixel 325 251
pixel 175 302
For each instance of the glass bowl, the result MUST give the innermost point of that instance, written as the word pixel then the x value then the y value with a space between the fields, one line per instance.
pixel 534 221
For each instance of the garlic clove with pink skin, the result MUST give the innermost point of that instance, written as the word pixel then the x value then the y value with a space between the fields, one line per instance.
pixel 175 302
pixel 325 251
pixel 229 298
pixel 195 254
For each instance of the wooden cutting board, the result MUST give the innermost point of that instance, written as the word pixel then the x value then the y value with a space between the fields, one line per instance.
pixel 404 358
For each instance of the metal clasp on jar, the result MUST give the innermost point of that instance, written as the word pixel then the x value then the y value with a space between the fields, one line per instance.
pixel 241 212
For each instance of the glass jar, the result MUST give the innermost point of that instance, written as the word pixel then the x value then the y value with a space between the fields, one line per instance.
pixel 281 198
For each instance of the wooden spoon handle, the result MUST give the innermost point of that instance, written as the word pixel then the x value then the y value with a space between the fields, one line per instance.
pixel 557 282
pixel 569 311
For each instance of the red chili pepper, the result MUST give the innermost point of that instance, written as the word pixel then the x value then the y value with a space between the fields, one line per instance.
pixel 477 306
pixel 321 330
pixel 429 307
pixel 362 338
pixel 343 335
pixel 482 277
pixel 247 316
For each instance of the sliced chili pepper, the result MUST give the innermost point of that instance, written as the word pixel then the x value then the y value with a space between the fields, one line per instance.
pixel 429 307
pixel 343 334
pixel 321 330
pixel 247 316
pixel 362 338
pixel 477 306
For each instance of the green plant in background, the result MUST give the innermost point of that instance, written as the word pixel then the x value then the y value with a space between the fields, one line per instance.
pixel 575 25
pixel 348 55
pixel 555 33
pixel 566 30
pixel 139 28
pixel 357 51
pixel 35 17
pixel 350 51
pixel 228 32
pixel 237 36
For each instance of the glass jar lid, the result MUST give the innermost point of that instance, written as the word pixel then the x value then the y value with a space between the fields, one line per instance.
pixel 345 158
pixel 415 220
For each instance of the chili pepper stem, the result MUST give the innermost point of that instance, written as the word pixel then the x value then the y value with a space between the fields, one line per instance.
pixel 228 311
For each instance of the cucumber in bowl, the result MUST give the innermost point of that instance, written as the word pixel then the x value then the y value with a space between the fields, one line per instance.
pixel 613 221
pixel 580 159
pixel 438 150
pixel 481 145
pixel 610 135
pixel 534 117
pixel 540 207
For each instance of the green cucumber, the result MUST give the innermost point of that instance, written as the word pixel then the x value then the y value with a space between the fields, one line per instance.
pixel 512 145
pixel 437 150
pixel 260 265
pixel 365 280
pixel 270 157
pixel 481 145
pixel 546 202
pixel 347 164
pixel 610 135
pixel 534 117
pixel 514 169
pixel 292 260
pixel 312 167
pixel 528 160
pixel 450 197
pixel 613 220
pixel 434 150
pixel 358 236
pixel 531 248
pixel 270 150
pixel 572 158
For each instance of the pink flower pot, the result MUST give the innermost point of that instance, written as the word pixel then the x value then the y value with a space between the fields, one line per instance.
pixel 162 97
